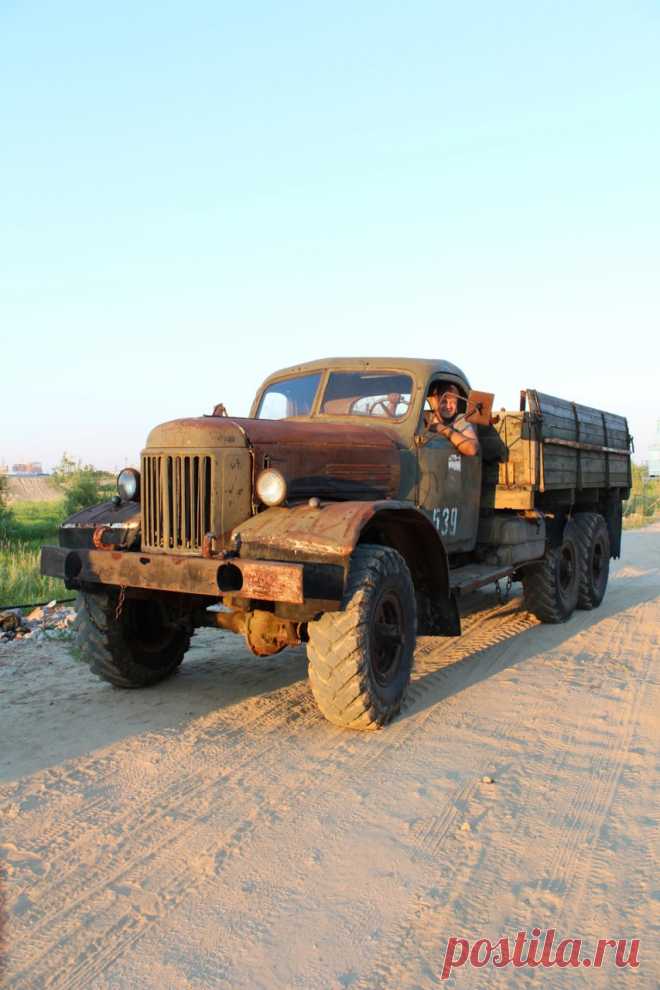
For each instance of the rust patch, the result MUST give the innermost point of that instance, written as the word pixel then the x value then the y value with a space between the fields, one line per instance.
pixel 327 533
pixel 209 546
pixel 265 633
pixel 263 580
pixel 97 537
pixel 270 581
pixel 344 435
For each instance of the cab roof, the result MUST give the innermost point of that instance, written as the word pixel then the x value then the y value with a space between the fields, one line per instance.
pixel 419 368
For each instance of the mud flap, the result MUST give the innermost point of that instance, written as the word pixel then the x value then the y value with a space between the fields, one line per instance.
pixel 438 616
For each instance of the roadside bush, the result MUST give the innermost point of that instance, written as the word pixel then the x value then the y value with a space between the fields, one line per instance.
pixel 644 503
pixel 81 484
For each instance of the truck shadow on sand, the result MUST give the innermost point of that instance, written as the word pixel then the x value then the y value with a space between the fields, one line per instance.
pixel 219 671
pixel 220 674
pixel 495 638
pixel 510 637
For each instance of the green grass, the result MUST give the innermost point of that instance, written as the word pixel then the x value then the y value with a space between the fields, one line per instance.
pixel 35 521
pixel 22 533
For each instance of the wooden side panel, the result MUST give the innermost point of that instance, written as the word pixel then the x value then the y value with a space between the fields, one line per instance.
pixel 566 467
pixel 513 498
pixel 549 445
pixel 559 467
pixel 617 436
pixel 521 469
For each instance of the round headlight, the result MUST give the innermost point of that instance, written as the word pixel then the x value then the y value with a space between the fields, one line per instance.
pixel 271 487
pixel 128 484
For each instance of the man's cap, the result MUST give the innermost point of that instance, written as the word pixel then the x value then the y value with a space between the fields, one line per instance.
pixel 441 387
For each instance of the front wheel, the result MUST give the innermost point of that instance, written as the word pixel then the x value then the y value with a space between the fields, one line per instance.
pixel 360 658
pixel 141 644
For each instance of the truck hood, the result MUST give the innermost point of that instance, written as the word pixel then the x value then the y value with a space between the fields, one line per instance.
pixel 328 460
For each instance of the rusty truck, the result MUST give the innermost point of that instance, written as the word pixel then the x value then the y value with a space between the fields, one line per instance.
pixel 332 516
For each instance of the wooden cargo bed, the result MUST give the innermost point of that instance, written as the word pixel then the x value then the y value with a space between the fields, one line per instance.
pixel 555 446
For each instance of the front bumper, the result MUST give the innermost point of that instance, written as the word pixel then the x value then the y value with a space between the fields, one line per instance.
pixel 263 580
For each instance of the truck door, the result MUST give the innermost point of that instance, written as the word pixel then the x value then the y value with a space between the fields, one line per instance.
pixel 449 491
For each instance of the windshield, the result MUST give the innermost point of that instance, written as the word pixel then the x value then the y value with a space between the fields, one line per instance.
pixel 379 394
pixel 291 397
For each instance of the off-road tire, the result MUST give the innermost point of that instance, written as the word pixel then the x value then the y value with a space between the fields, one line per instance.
pixel 144 646
pixel 594 543
pixel 360 658
pixel 550 588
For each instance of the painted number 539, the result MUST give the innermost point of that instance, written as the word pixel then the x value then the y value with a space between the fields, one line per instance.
pixel 446 520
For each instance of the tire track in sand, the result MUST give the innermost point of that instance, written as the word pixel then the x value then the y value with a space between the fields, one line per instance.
pixel 158 836
pixel 416 945
pixel 334 782
pixel 211 734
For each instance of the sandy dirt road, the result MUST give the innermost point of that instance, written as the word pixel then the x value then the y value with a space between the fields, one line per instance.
pixel 215 831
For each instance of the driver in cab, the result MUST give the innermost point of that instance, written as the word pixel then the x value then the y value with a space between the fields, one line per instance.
pixel 445 419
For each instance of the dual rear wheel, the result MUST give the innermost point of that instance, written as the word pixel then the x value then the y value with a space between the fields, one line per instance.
pixel 594 546
pixel 571 575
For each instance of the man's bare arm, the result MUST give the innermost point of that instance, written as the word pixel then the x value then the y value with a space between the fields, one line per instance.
pixel 465 444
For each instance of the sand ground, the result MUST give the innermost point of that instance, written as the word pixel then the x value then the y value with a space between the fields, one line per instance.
pixel 215 831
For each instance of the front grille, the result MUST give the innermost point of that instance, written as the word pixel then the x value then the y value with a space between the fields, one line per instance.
pixel 177 508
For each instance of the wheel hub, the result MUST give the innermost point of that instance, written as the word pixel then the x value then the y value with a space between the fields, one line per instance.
pixel 388 639
pixel 566 569
pixel 597 562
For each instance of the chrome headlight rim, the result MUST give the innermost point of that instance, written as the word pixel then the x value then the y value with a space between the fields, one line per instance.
pixel 128 485
pixel 271 487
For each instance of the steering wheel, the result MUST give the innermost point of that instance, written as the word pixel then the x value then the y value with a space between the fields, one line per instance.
pixel 374 405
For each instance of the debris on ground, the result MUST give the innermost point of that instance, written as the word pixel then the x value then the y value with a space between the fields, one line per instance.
pixel 40 623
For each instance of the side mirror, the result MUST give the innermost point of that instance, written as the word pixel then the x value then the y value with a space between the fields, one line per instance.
pixel 479 408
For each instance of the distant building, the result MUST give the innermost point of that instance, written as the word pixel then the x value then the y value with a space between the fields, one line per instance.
pixel 30 469
pixel 4 469
pixel 654 455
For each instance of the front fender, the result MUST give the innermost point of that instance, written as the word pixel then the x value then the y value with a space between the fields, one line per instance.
pixel 115 526
pixel 328 533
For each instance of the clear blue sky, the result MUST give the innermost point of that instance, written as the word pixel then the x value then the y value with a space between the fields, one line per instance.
pixel 196 194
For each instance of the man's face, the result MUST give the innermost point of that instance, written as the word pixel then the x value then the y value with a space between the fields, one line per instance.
pixel 444 403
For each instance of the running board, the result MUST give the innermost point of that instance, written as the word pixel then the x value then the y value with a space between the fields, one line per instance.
pixel 472 576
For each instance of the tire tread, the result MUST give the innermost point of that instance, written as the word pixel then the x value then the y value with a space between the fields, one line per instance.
pixel 587 525
pixel 540 585
pixel 101 644
pixel 337 648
